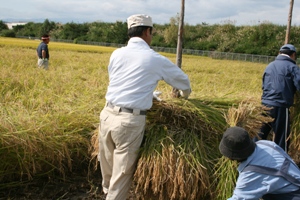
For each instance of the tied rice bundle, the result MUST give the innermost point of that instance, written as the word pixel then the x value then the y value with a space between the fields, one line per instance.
pixel 249 115
pixel 178 152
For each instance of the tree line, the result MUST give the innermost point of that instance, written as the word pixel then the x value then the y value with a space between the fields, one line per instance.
pixel 261 39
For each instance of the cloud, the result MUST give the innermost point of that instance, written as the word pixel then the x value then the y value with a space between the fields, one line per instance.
pixel 196 11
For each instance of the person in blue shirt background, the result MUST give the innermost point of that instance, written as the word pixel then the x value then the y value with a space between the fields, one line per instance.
pixel 265 170
pixel 42 52
pixel 281 79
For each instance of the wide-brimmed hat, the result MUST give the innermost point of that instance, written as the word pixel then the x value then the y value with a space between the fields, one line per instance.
pixel 236 144
pixel 139 20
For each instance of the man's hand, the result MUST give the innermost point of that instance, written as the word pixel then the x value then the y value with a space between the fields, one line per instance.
pixel 185 93
pixel 156 95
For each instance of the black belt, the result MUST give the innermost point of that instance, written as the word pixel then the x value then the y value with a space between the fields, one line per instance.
pixel 127 110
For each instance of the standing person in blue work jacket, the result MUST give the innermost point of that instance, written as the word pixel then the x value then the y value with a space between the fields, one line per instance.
pixel 134 72
pixel 280 81
pixel 265 170
pixel 43 52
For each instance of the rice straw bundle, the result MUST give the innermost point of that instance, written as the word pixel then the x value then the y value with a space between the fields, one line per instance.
pixel 176 158
pixel 180 143
pixel 26 155
pixel 30 150
pixel 250 116
pixel 295 129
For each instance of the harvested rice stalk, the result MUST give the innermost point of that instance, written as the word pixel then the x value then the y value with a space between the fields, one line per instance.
pixel 94 149
pixel 295 130
pixel 179 150
pixel 28 154
pixel 226 173
pixel 176 156
pixel 249 115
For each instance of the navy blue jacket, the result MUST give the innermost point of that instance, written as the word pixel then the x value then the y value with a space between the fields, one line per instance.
pixel 280 80
pixel 43 46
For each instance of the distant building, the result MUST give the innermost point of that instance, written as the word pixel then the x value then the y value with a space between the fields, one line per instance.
pixel 11 25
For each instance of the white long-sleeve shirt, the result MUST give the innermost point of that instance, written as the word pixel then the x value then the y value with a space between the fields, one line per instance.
pixel 134 72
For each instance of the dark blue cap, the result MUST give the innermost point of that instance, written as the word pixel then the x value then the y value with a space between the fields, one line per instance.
pixel 287 47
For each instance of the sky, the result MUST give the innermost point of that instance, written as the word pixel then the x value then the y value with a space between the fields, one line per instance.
pixel 237 12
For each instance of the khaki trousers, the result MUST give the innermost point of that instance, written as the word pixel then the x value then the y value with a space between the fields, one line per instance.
pixel 120 137
pixel 43 64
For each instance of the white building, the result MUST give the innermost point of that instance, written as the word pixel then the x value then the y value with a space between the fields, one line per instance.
pixel 10 25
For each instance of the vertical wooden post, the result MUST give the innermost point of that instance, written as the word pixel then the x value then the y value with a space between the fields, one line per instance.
pixel 175 92
pixel 180 36
pixel 287 36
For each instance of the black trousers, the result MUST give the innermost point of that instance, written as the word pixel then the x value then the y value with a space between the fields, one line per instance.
pixel 280 125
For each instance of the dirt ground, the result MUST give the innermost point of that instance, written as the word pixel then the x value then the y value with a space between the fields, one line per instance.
pixel 75 188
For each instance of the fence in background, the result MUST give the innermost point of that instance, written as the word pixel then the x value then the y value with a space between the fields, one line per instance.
pixel 221 55
pixel 212 54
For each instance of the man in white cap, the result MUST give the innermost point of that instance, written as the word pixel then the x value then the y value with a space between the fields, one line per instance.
pixel 134 72
pixel 281 79
pixel 265 170
pixel 43 52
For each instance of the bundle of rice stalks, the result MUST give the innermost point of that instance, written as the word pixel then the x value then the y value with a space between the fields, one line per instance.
pixel 226 175
pixel 177 154
pixel 94 149
pixel 37 151
pixel 25 155
pixel 249 115
pixel 295 130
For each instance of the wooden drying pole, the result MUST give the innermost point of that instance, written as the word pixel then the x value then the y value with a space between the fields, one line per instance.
pixel 175 92
pixel 287 36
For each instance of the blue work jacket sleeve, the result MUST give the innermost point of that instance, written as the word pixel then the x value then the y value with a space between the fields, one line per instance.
pixel 296 76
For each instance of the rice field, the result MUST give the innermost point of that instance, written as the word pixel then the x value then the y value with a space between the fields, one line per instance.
pixel 49 120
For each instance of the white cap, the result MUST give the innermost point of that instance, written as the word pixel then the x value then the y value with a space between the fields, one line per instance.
pixel 139 20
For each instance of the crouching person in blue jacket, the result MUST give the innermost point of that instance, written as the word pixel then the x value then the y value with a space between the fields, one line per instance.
pixel 266 171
